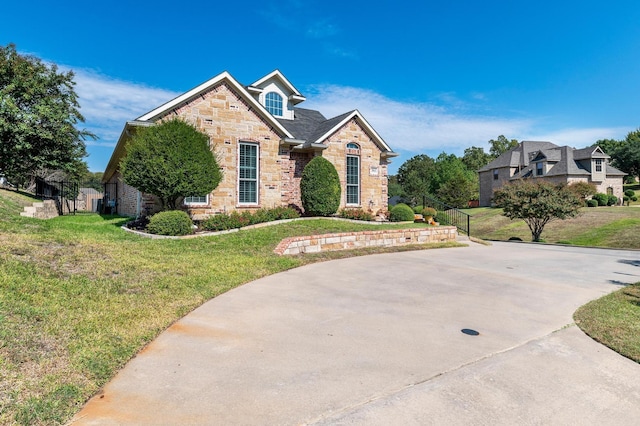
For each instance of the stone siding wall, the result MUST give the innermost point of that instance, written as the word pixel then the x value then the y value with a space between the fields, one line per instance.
pixel 229 120
pixel 373 169
pixel 352 240
pixel 488 185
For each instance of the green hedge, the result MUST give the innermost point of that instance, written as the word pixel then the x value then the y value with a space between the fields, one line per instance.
pixel 320 188
pixel 172 222
pixel 224 221
pixel 401 213
pixel 356 214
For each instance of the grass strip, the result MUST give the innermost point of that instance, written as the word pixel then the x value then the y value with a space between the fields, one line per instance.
pixel 614 321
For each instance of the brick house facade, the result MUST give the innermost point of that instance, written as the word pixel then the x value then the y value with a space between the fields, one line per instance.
pixel 262 141
pixel 557 164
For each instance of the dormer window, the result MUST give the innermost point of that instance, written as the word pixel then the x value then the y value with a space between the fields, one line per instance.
pixel 273 103
pixel 598 164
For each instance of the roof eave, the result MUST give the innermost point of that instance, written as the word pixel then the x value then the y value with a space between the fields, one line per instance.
pixel 198 90
pixel 119 150
pixel 368 128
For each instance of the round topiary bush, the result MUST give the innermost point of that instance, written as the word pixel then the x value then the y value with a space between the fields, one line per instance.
pixel 401 213
pixel 601 198
pixel 429 212
pixel 592 203
pixel 320 188
pixel 172 222
pixel 612 201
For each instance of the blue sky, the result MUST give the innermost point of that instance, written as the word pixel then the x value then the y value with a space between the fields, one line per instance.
pixel 429 76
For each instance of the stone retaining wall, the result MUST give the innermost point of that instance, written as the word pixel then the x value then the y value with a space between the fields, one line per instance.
pixel 352 240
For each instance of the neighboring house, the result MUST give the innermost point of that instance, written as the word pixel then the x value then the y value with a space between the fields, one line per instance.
pixel 558 164
pixel 263 141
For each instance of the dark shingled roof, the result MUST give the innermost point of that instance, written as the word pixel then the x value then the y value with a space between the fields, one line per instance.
pixel 589 152
pixel 304 123
pixel 309 125
pixel 518 155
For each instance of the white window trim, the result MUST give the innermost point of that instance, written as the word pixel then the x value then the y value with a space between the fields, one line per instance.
pixel 347 185
pixel 282 103
pixel 599 163
pixel 206 203
pixel 257 202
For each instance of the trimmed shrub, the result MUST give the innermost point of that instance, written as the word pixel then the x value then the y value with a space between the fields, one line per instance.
pixel 429 211
pixel 355 214
pixel 418 209
pixel 612 201
pixel 224 221
pixel 320 188
pixel 592 203
pixel 401 213
pixel 172 222
pixel 601 198
pixel 629 193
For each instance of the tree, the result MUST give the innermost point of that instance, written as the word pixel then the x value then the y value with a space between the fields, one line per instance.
pixel 394 188
pixel 501 145
pixel 170 160
pixel 414 176
pixel 459 189
pixel 475 158
pixel 626 156
pixel 537 203
pixel 39 110
pixel 452 182
pixel 582 189
pixel 320 188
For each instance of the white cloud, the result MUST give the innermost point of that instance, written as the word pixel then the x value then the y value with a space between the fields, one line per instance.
pixel 107 103
pixel 408 127
pixel 414 126
pixel 580 138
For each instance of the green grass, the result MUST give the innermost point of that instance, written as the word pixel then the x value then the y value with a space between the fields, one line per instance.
pixel 614 320
pixel 616 227
pixel 79 296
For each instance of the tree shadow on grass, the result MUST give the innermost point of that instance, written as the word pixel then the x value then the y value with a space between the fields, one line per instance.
pixel 116 220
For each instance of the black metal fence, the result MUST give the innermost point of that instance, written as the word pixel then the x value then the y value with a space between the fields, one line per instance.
pixel 73 196
pixel 448 215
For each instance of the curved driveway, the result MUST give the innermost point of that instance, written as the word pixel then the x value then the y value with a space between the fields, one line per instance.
pixel 377 340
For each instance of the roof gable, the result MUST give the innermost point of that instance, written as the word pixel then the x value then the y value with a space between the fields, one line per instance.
pixel 521 155
pixel 294 96
pixel 590 152
pixel 333 125
pixel 223 77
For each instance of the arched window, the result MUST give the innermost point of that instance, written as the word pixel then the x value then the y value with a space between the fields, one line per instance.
pixel 273 103
pixel 352 145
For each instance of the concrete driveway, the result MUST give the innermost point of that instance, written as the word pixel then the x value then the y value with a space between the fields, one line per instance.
pixel 377 340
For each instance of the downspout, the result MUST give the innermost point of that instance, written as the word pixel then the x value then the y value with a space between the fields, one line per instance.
pixel 138 204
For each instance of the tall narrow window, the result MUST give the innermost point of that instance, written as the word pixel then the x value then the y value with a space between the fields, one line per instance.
pixel 598 164
pixel 539 170
pixel 273 103
pixel 248 174
pixel 495 174
pixel 353 179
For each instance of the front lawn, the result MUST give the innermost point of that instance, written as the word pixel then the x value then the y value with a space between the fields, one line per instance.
pixel 615 227
pixel 79 296
pixel 614 320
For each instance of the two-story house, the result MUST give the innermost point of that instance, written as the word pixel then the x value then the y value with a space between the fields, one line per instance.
pixel 545 160
pixel 263 140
